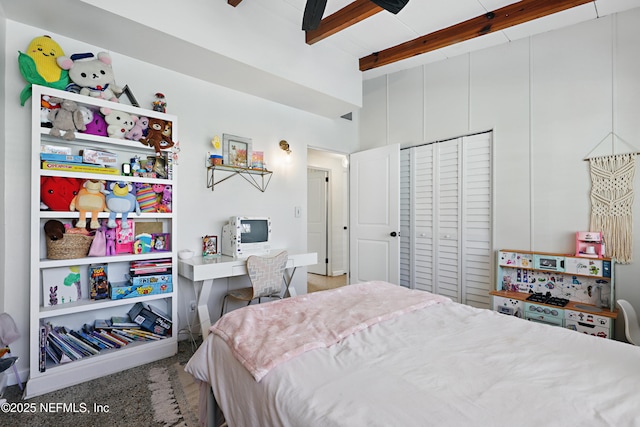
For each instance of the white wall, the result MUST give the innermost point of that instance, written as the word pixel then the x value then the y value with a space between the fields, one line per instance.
pixel 550 99
pixel 203 110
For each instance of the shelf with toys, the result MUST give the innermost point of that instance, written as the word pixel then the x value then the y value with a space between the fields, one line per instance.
pixel 103 239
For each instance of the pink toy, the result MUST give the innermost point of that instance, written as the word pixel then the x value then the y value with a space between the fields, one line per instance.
pixel 138 130
pixel 110 236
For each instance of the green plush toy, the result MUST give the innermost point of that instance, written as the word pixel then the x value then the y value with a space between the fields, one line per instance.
pixel 38 66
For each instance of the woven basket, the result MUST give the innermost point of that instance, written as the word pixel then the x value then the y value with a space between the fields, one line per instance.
pixel 70 246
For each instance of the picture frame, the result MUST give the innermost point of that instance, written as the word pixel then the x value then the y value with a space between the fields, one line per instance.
pixel 161 242
pixel 236 151
pixel 209 246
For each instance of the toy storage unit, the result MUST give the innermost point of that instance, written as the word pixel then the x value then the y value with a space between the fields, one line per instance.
pixel 574 292
pixel 45 375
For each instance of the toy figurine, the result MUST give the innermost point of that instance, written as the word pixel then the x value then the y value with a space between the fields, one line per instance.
pixel 160 104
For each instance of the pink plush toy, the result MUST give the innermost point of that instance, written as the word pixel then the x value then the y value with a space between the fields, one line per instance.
pixel 138 130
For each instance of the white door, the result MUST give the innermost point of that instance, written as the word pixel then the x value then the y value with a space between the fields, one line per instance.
pixel 317 207
pixel 446 222
pixel 375 215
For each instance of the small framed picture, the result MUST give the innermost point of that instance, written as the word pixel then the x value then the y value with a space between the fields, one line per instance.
pixel 236 151
pixel 209 246
pixel 160 242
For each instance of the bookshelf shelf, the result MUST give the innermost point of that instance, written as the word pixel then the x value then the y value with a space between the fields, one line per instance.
pixel 259 178
pixel 45 375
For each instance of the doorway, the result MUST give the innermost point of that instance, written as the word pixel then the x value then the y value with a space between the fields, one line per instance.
pixel 328 196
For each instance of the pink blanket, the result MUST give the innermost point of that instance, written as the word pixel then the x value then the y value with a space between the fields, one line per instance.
pixel 262 336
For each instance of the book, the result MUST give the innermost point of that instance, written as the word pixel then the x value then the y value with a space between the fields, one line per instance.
pixel 43 349
pixel 75 167
pixel 142 243
pixel 98 281
pixel 125 237
pixel 122 321
pixel 61 285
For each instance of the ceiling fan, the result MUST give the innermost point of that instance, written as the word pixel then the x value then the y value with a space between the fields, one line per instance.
pixel 314 9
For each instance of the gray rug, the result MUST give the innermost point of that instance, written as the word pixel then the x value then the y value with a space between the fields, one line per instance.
pixel 156 394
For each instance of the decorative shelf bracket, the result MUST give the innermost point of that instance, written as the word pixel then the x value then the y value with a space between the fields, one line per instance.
pixel 259 178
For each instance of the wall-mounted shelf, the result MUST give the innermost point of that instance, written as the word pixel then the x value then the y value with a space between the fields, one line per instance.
pixel 259 178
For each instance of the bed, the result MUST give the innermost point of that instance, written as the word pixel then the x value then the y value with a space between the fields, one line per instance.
pixel 376 354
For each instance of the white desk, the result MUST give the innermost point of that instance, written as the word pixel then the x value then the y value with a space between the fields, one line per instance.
pixel 206 270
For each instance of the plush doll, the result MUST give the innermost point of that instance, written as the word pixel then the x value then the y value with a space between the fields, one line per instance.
pixel 94 76
pixel 139 129
pixel 158 135
pixel 110 236
pixel 46 106
pixel 38 65
pixel 118 122
pixel 67 119
pixel 120 200
pixel 89 199
pixel 87 114
pixel 167 195
pixel 54 229
pixel 146 197
pixel 56 193
pixel 97 126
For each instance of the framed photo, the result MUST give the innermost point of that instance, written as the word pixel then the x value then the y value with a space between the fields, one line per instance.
pixel 209 246
pixel 236 151
pixel 161 242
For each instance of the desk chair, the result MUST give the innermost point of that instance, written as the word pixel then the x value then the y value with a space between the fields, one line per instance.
pixel 631 325
pixel 267 277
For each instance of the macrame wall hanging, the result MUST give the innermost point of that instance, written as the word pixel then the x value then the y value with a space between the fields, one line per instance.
pixel 611 203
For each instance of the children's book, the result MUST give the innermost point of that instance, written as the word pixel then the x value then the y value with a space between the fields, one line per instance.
pixel 61 285
pixel 124 237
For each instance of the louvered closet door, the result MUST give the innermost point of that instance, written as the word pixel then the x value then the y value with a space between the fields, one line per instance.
pixel 446 218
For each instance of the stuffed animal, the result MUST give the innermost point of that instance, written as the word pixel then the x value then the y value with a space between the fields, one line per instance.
pixel 146 197
pixel 94 76
pixel 118 122
pixel 97 126
pixel 110 236
pixel 89 199
pixel 46 106
pixel 139 129
pixel 158 135
pixel 120 200
pixel 167 196
pixel 56 193
pixel 38 65
pixel 54 229
pixel 67 118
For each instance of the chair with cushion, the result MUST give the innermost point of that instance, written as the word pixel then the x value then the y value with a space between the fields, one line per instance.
pixel 267 279
pixel 631 325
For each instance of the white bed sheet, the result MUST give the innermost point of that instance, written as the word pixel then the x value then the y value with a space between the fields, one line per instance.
pixel 445 365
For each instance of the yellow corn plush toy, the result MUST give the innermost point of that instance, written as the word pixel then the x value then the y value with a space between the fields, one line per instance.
pixel 38 65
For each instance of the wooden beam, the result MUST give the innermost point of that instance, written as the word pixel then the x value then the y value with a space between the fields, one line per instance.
pixel 234 3
pixel 500 19
pixel 349 15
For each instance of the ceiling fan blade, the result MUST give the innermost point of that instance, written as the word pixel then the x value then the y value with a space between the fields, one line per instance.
pixel 393 6
pixel 313 11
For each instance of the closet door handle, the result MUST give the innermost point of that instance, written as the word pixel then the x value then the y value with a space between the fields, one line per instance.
pixel 394 234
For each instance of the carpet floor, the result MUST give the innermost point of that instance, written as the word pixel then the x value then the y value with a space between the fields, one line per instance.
pixel 156 394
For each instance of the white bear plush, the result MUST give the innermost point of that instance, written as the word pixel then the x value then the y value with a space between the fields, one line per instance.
pixel 118 122
pixel 93 76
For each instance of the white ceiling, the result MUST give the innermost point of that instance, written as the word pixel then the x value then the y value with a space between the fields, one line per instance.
pixel 420 17
pixel 259 47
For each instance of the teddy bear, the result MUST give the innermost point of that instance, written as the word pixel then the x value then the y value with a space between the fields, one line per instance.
pixel 89 199
pixel 67 119
pixel 158 135
pixel 139 129
pixel 118 122
pixel 56 193
pixel 94 76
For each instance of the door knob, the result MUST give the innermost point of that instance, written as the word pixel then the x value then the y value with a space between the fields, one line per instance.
pixel 393 234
